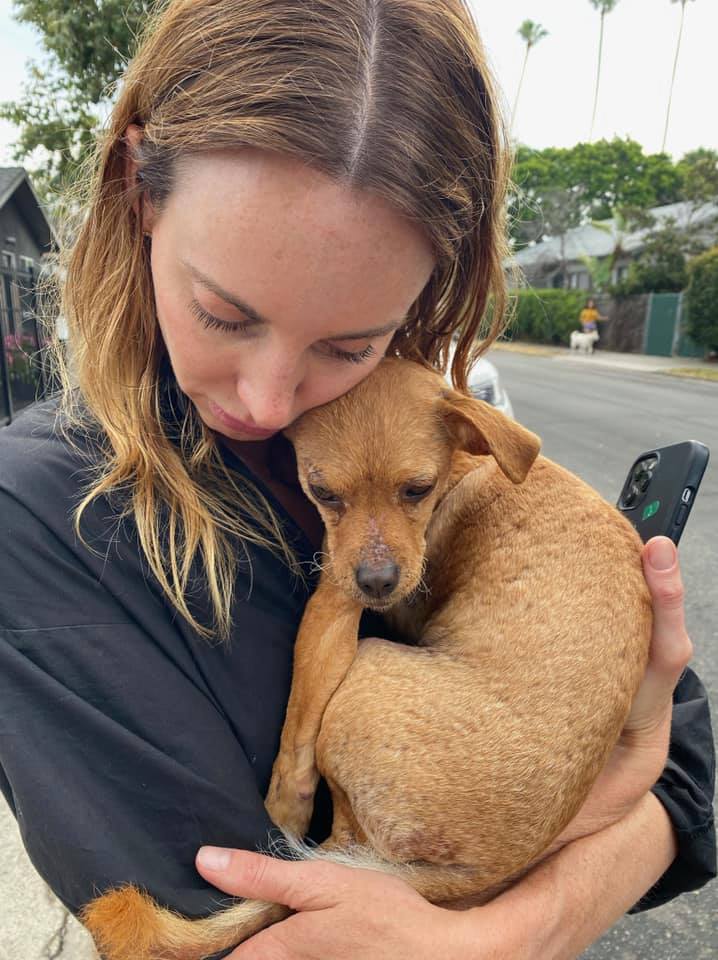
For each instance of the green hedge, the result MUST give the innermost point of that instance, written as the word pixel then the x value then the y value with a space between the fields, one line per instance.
pixel 702 299
pixel 546 316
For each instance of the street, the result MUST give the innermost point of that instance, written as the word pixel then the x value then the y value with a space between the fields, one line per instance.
pixel 595 421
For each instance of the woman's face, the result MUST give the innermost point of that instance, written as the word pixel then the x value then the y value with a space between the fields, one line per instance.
pixel 277 289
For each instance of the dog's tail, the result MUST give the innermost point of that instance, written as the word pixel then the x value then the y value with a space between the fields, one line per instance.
pixel 127 924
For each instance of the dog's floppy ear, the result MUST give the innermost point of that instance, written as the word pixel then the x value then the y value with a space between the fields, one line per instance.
pixel 477 427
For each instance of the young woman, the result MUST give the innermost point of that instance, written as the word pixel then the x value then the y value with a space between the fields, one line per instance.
pixel 589 317
pixel 285 192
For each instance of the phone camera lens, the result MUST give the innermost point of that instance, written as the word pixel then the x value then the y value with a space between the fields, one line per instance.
pixel 629 499
pixel 641 480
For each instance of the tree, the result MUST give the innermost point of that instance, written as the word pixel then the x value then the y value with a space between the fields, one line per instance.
pixel 701 300
pixel 88 44
pixel 604 6
pixel 562 209
pixel 599 270
pixel 673 76
pixel 531 33
pixel 624 222
pixel 699 171
pixel 610 174
pixel 661 265
pixel 699 174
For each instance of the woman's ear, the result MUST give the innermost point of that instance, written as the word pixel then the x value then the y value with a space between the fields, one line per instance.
pixel 141 204
pixel 479 428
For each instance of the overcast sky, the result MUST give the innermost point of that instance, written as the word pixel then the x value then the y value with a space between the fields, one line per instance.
pixel 557 97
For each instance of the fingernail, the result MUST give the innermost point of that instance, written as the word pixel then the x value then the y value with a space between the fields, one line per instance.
pixel 662 554
pixel 214 858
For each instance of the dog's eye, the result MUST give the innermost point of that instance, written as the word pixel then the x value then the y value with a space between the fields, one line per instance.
pixel 414 491
pixel 324 496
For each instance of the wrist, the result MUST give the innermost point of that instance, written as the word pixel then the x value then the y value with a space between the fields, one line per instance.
pixel 520 924
pixel 566 902
pixel 596 880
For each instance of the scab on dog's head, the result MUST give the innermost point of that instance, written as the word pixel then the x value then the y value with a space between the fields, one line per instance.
pixel 376 462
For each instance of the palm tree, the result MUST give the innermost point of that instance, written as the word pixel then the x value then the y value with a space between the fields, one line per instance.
pixel 604 6
pixel 673 78
pixel 531 33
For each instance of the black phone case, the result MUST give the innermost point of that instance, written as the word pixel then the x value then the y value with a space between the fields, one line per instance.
pixel 663 501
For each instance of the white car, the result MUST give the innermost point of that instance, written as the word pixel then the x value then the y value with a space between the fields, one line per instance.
pixel 484 384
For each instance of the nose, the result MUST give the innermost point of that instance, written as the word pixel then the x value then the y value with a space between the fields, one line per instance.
pixel 269 396
pixel 377 582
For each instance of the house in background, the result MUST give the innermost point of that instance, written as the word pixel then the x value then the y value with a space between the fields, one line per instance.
pixel 543 264
pixel 26 236
pixel 25 232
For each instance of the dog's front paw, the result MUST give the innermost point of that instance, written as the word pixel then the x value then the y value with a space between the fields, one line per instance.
pixel 290 799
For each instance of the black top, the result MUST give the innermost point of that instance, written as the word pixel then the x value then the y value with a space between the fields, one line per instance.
pixel 127 741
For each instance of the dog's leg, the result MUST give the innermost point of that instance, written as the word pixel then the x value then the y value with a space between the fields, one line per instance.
pixel 326 646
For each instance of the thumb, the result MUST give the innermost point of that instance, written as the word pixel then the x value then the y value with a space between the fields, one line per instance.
pixel 671 648
pixel 242 873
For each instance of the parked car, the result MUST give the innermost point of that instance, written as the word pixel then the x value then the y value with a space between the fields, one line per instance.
pixel 484 383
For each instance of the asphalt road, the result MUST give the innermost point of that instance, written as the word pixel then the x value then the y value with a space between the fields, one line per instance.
pixel 595 421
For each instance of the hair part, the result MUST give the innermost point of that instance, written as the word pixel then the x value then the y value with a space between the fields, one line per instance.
pixel 392 96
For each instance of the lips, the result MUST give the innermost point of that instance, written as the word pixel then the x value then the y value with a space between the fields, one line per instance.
pixel 238 425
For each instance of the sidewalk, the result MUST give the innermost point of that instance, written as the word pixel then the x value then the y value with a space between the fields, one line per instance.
pixel 689 367
pixel 34 925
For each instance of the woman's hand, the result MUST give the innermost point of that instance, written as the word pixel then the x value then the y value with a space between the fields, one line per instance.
pixel 640 755
pixel 342 913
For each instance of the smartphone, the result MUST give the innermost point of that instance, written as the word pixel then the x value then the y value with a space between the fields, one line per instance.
pixel 661 487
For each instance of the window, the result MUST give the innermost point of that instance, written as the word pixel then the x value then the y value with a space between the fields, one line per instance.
pixel 619 274
pixel 8 260
pixel 27 264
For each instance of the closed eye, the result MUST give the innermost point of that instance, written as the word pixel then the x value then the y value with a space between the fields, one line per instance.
pixel 210 322
pixel 322 495
pixel 413 492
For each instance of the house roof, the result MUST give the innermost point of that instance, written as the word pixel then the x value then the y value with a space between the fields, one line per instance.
pixel 10 178
pixel 593 241
pixel 15 184
pixel 582 241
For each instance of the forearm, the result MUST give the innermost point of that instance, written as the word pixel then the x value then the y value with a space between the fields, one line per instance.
pixel 569 900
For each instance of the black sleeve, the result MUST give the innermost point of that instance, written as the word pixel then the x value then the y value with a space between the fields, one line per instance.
pixel 116 757
pixel 686 790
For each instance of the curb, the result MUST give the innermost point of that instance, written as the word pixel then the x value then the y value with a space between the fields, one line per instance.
pixel 707 376
pixel 624 361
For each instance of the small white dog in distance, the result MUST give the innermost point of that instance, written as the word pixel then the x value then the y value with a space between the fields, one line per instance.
pixel 583 341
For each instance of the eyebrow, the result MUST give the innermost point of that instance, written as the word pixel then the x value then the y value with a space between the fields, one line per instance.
pixel 256 317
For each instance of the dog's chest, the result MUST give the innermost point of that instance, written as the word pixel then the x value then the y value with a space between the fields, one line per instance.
pixel 409 617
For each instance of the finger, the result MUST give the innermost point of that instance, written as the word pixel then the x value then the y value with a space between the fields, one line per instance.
pixel 297 885
pixel 671 648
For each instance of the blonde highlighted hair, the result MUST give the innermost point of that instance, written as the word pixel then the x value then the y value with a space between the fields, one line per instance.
pixel 392 96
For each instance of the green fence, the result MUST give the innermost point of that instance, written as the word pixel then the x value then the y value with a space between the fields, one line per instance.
pixel 665 334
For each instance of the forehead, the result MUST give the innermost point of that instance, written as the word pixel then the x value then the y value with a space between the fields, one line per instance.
pixel 294 243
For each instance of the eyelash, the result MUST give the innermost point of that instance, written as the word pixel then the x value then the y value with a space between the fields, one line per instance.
pixel 214 323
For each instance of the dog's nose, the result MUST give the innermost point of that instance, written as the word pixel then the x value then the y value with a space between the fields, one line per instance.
pixel 377 582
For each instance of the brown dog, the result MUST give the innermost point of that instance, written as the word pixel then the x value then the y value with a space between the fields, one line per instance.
pixel 456 759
